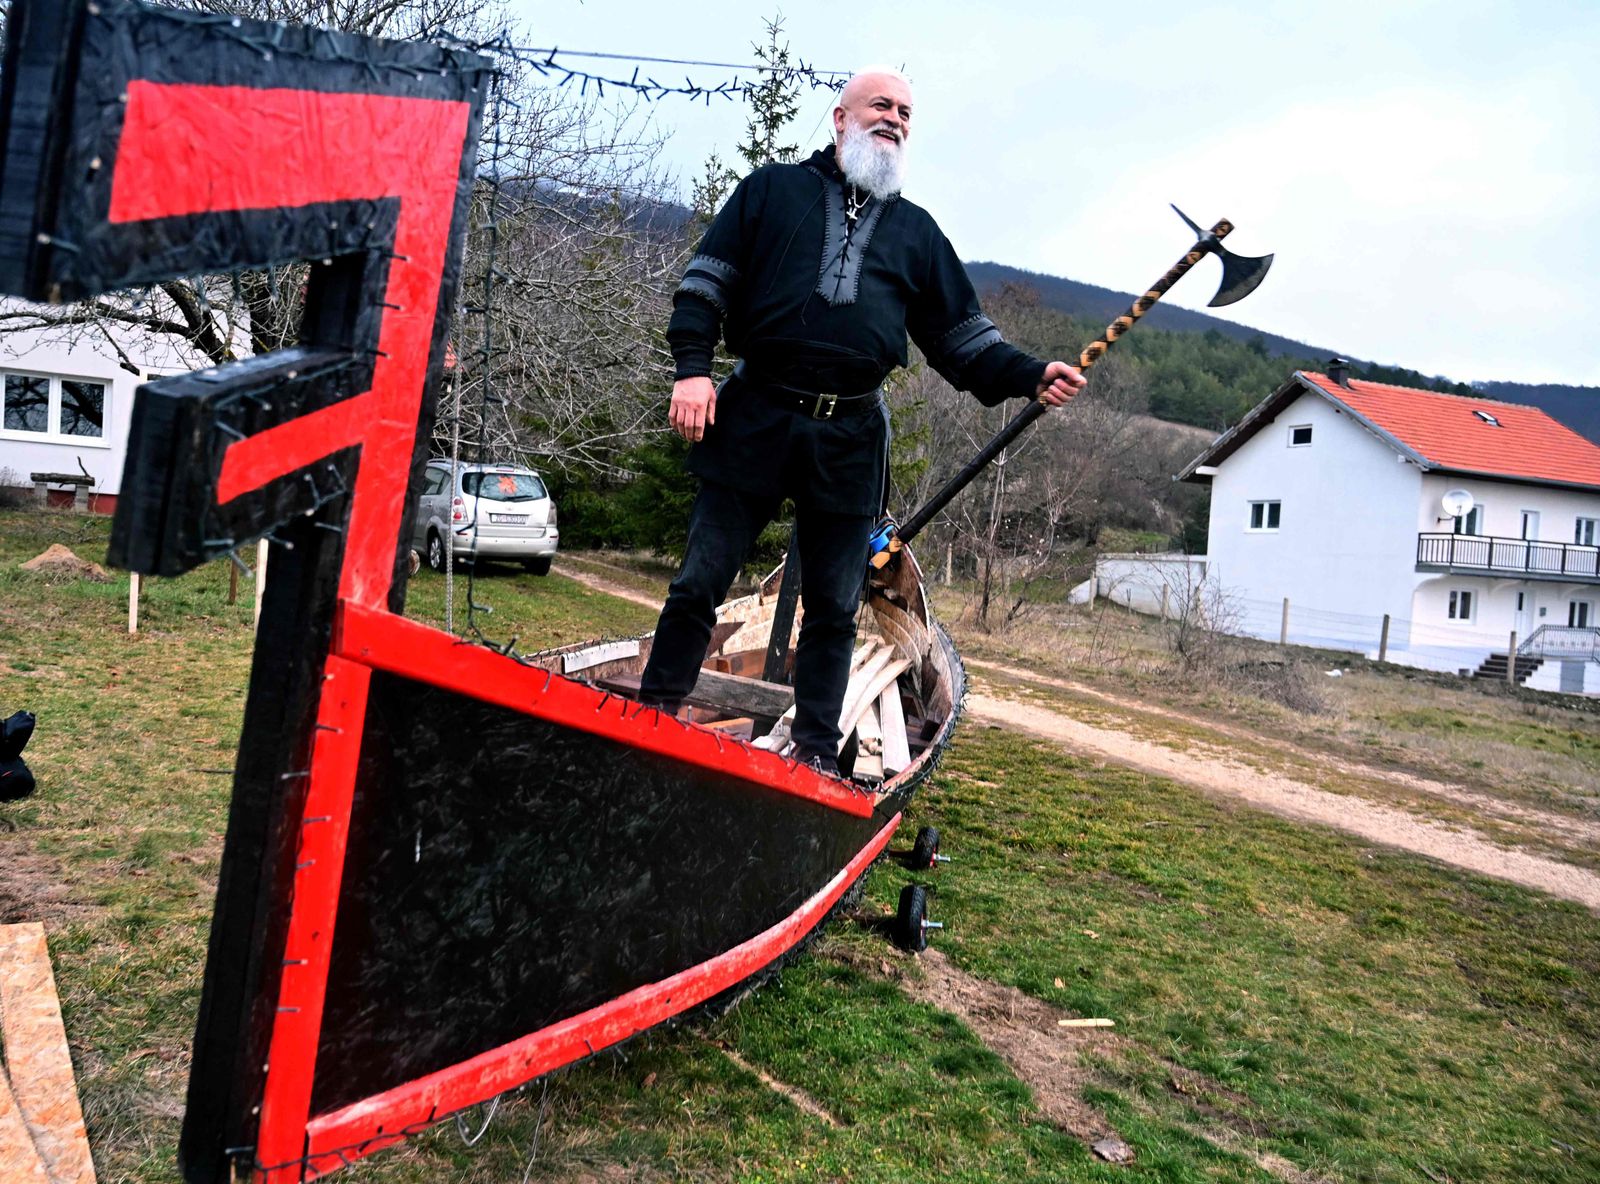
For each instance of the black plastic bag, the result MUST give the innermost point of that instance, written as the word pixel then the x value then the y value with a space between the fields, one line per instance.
pixel 16 782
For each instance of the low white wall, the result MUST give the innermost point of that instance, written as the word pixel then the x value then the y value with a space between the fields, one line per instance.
pixel 1152 584
pixel 1574 678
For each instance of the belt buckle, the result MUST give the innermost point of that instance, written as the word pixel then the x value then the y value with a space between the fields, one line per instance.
pixel 823 408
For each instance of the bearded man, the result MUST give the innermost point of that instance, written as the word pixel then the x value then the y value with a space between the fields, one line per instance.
pixel 814 274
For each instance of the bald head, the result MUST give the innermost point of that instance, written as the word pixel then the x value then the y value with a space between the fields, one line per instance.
pixel 875 100
pixel 870 127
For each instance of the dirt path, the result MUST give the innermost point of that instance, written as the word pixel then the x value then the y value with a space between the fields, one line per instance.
pixel 1541 821
pixel 1214 773
pixel 601 584
pixel 1025 1034
pixel 1294 799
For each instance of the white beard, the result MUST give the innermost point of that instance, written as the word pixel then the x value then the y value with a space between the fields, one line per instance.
pixel 870 163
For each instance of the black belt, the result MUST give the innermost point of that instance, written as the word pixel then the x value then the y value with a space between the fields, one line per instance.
pixel 819 405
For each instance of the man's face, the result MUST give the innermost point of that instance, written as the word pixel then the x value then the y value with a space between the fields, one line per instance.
pixel 878 104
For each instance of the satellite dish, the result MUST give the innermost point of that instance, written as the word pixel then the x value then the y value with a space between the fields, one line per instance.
pixel 1456 502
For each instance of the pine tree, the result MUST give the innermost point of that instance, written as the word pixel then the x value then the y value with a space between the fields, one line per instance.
pixel 774 102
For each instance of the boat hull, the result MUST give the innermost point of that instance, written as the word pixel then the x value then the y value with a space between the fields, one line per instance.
pixel 537 870
pixel 505 873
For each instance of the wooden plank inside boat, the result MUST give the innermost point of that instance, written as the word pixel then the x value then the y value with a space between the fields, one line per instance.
pixel 892 721
pixel 733 693
pixel 869 751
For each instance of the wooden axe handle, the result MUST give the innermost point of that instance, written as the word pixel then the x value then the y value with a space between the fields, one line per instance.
pixel 1096 349
pixel 1091 354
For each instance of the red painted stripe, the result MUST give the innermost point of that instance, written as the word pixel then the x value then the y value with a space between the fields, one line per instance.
pixel 361 1128
pixel 251 463
pixel 319 870
pixel 198 149
pixel 388 642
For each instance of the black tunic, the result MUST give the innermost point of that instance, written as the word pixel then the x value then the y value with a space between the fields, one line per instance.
pixel 815 301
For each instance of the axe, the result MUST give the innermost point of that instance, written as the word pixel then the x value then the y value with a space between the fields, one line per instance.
pixel 1241 275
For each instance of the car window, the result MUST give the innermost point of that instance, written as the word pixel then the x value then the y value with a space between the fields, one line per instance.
pixel 435 481
pixel 502 487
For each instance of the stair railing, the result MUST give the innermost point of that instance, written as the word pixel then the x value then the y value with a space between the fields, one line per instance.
pixel 1560 641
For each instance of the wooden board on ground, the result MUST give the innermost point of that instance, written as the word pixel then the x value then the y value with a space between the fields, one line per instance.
pixel 19 1161
pixel 39 1064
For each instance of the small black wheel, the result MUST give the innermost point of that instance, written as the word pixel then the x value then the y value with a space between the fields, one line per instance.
pixel 539 566
pixel 927 846
pixel 435 551
pixel 909 933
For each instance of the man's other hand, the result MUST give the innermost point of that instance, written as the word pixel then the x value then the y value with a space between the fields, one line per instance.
pixel 694 407
pixel 1059 384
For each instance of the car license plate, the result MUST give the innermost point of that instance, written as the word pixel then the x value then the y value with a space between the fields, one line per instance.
pixel 509 519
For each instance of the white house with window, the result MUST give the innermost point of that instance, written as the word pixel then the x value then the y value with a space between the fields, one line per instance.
pixel 1425 526
pixel 66 402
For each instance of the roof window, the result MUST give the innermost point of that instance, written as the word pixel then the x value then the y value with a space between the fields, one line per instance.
pixel 1487 418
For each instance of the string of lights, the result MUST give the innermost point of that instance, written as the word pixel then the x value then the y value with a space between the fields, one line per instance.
pixel 546 61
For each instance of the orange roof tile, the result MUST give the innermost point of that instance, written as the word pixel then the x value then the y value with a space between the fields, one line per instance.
pixel 1528 444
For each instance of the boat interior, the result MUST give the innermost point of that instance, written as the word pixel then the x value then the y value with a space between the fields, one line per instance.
pixel 904 684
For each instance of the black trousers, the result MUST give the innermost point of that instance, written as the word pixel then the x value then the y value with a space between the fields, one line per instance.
pixel 833 570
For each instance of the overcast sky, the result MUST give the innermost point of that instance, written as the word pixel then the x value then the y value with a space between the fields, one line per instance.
pixel 1427 173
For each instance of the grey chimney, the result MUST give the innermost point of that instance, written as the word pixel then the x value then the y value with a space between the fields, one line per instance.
pixel 1339 371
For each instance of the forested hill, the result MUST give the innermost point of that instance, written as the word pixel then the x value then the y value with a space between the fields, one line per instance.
pixel 1576 406
pixel 1088 302
pixel 1195 369
pixel 1207 371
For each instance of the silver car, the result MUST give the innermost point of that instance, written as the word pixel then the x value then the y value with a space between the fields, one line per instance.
pixel 487 512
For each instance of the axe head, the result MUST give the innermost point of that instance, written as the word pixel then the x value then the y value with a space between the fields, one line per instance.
pixel 1241 274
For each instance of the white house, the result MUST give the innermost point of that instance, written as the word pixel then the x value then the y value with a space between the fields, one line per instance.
pixel 66 403
pixel 1331 495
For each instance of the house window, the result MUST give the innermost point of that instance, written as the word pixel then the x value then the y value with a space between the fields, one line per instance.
pixel 44 406
pixel 1579 613
pixel 1586 532
pixel 83 408
pixel 1460 605
pixel 1265 515
pixel 1471 522
pixel 27 403
pixel 1300 436
pixel 1487 418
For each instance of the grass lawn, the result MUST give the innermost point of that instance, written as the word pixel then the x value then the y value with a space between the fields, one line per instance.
pixel 1290 1004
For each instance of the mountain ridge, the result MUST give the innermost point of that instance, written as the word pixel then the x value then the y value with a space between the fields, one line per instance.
pixel 1578 407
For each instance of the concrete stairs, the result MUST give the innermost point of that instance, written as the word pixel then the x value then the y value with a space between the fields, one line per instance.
pixel 1494 666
